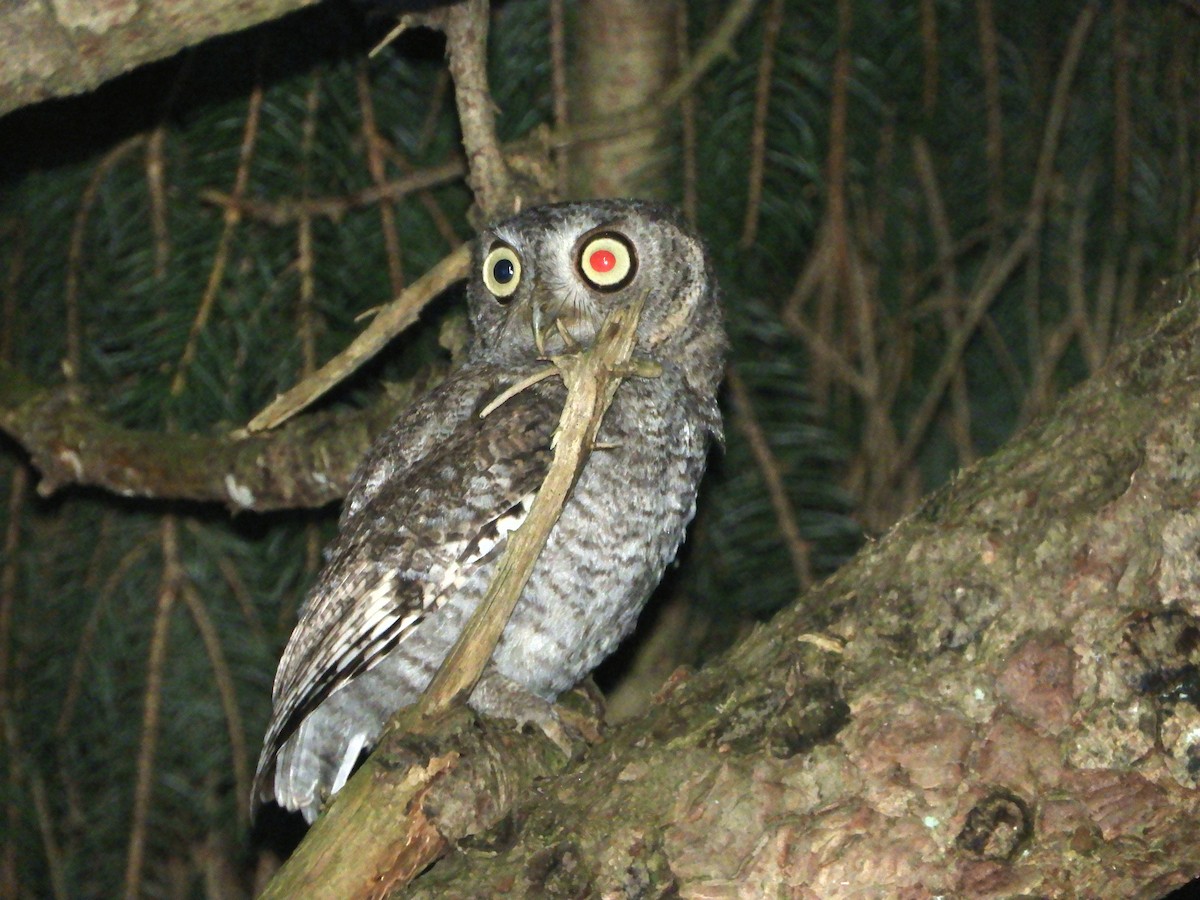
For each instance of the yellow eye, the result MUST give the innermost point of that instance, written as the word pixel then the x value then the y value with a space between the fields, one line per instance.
pixel 607 261
pixel 502 272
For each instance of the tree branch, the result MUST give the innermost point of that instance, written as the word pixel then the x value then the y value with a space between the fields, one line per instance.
pixel 466 27
pixel 997 702
pixel 56 49
pixel 307 464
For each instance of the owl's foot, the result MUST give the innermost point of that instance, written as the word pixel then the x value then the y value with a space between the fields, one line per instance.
pixel 502 698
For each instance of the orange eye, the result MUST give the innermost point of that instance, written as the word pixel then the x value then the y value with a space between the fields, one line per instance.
pixel 502 272
pixel 607 262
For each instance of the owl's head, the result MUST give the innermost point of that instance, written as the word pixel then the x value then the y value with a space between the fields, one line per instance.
pixel 569 265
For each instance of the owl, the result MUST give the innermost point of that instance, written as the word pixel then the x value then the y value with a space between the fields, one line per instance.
pixel 434 500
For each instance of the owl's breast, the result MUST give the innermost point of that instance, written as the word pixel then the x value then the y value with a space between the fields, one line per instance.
pixel 621 526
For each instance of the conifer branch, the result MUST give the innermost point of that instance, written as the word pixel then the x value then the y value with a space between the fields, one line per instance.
pixel 305 465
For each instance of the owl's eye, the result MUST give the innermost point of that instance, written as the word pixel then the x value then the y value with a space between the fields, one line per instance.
pixel 502 272
pixel 607 261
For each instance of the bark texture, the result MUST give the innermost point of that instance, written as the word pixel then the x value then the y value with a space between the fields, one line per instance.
pixel 308 463
pixel 53 48
pixel 624 57
pixel 997 699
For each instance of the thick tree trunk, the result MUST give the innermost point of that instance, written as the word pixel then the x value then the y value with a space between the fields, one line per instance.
pixel 998 698
pixel 69 46
pixel 623 57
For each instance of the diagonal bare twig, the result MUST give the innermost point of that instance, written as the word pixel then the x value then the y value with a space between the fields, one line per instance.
pixel 592 377
pixel 391 320
pixel 768 466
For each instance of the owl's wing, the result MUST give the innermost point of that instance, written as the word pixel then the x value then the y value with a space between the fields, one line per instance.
pixel 418 431
pixel 418 537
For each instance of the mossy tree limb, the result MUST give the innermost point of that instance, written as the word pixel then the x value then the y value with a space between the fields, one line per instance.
pixel 306 464
pixel 999 699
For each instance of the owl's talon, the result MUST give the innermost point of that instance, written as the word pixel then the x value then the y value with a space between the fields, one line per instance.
pixel 499 697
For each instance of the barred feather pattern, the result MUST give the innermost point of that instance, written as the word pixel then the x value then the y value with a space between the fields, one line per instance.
pixel 435 500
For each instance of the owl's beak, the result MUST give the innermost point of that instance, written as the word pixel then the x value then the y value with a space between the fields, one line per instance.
pixel 556 325
pixel 535 320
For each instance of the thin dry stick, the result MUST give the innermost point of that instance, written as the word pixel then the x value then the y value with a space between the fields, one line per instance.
pixel 232 218
pixel 994 144
pixel 232 579
pixel 156 182
pixel 19 764
pixel 305 325
pixel 305 262
pixel 391 320
pixel 227 691
pixel 835 234
pixel 172 576
pixel 592 377
pixel 75 250
pixel 284 212
pixel 441 221
pixel 939 219
pixel 8 599
pixel 387 211
pixel 1054 346
pixel 926 277
pixel 998 275
pixel 558 85
pixel 286 617
pixel 79 660
pixel 772 24
pixel 1127 294
pixel 687 116
pixel 929 57
pixel 768 466
pixel 1181 99
pixel 245 602
pixel 1076 267
pixel 1032 310
pixel 429 128
pixel 45 820
pixel 818 344
pixel 1122 116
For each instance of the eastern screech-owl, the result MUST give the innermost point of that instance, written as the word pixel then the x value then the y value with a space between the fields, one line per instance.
pixel 432 503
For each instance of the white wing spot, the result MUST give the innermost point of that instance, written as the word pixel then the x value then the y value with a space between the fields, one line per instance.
pixel 357 742
pixel 238 493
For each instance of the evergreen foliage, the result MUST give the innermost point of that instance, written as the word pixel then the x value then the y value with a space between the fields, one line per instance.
pixel 107 272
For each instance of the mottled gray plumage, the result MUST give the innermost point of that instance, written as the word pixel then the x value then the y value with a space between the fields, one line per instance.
pixel 431 504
